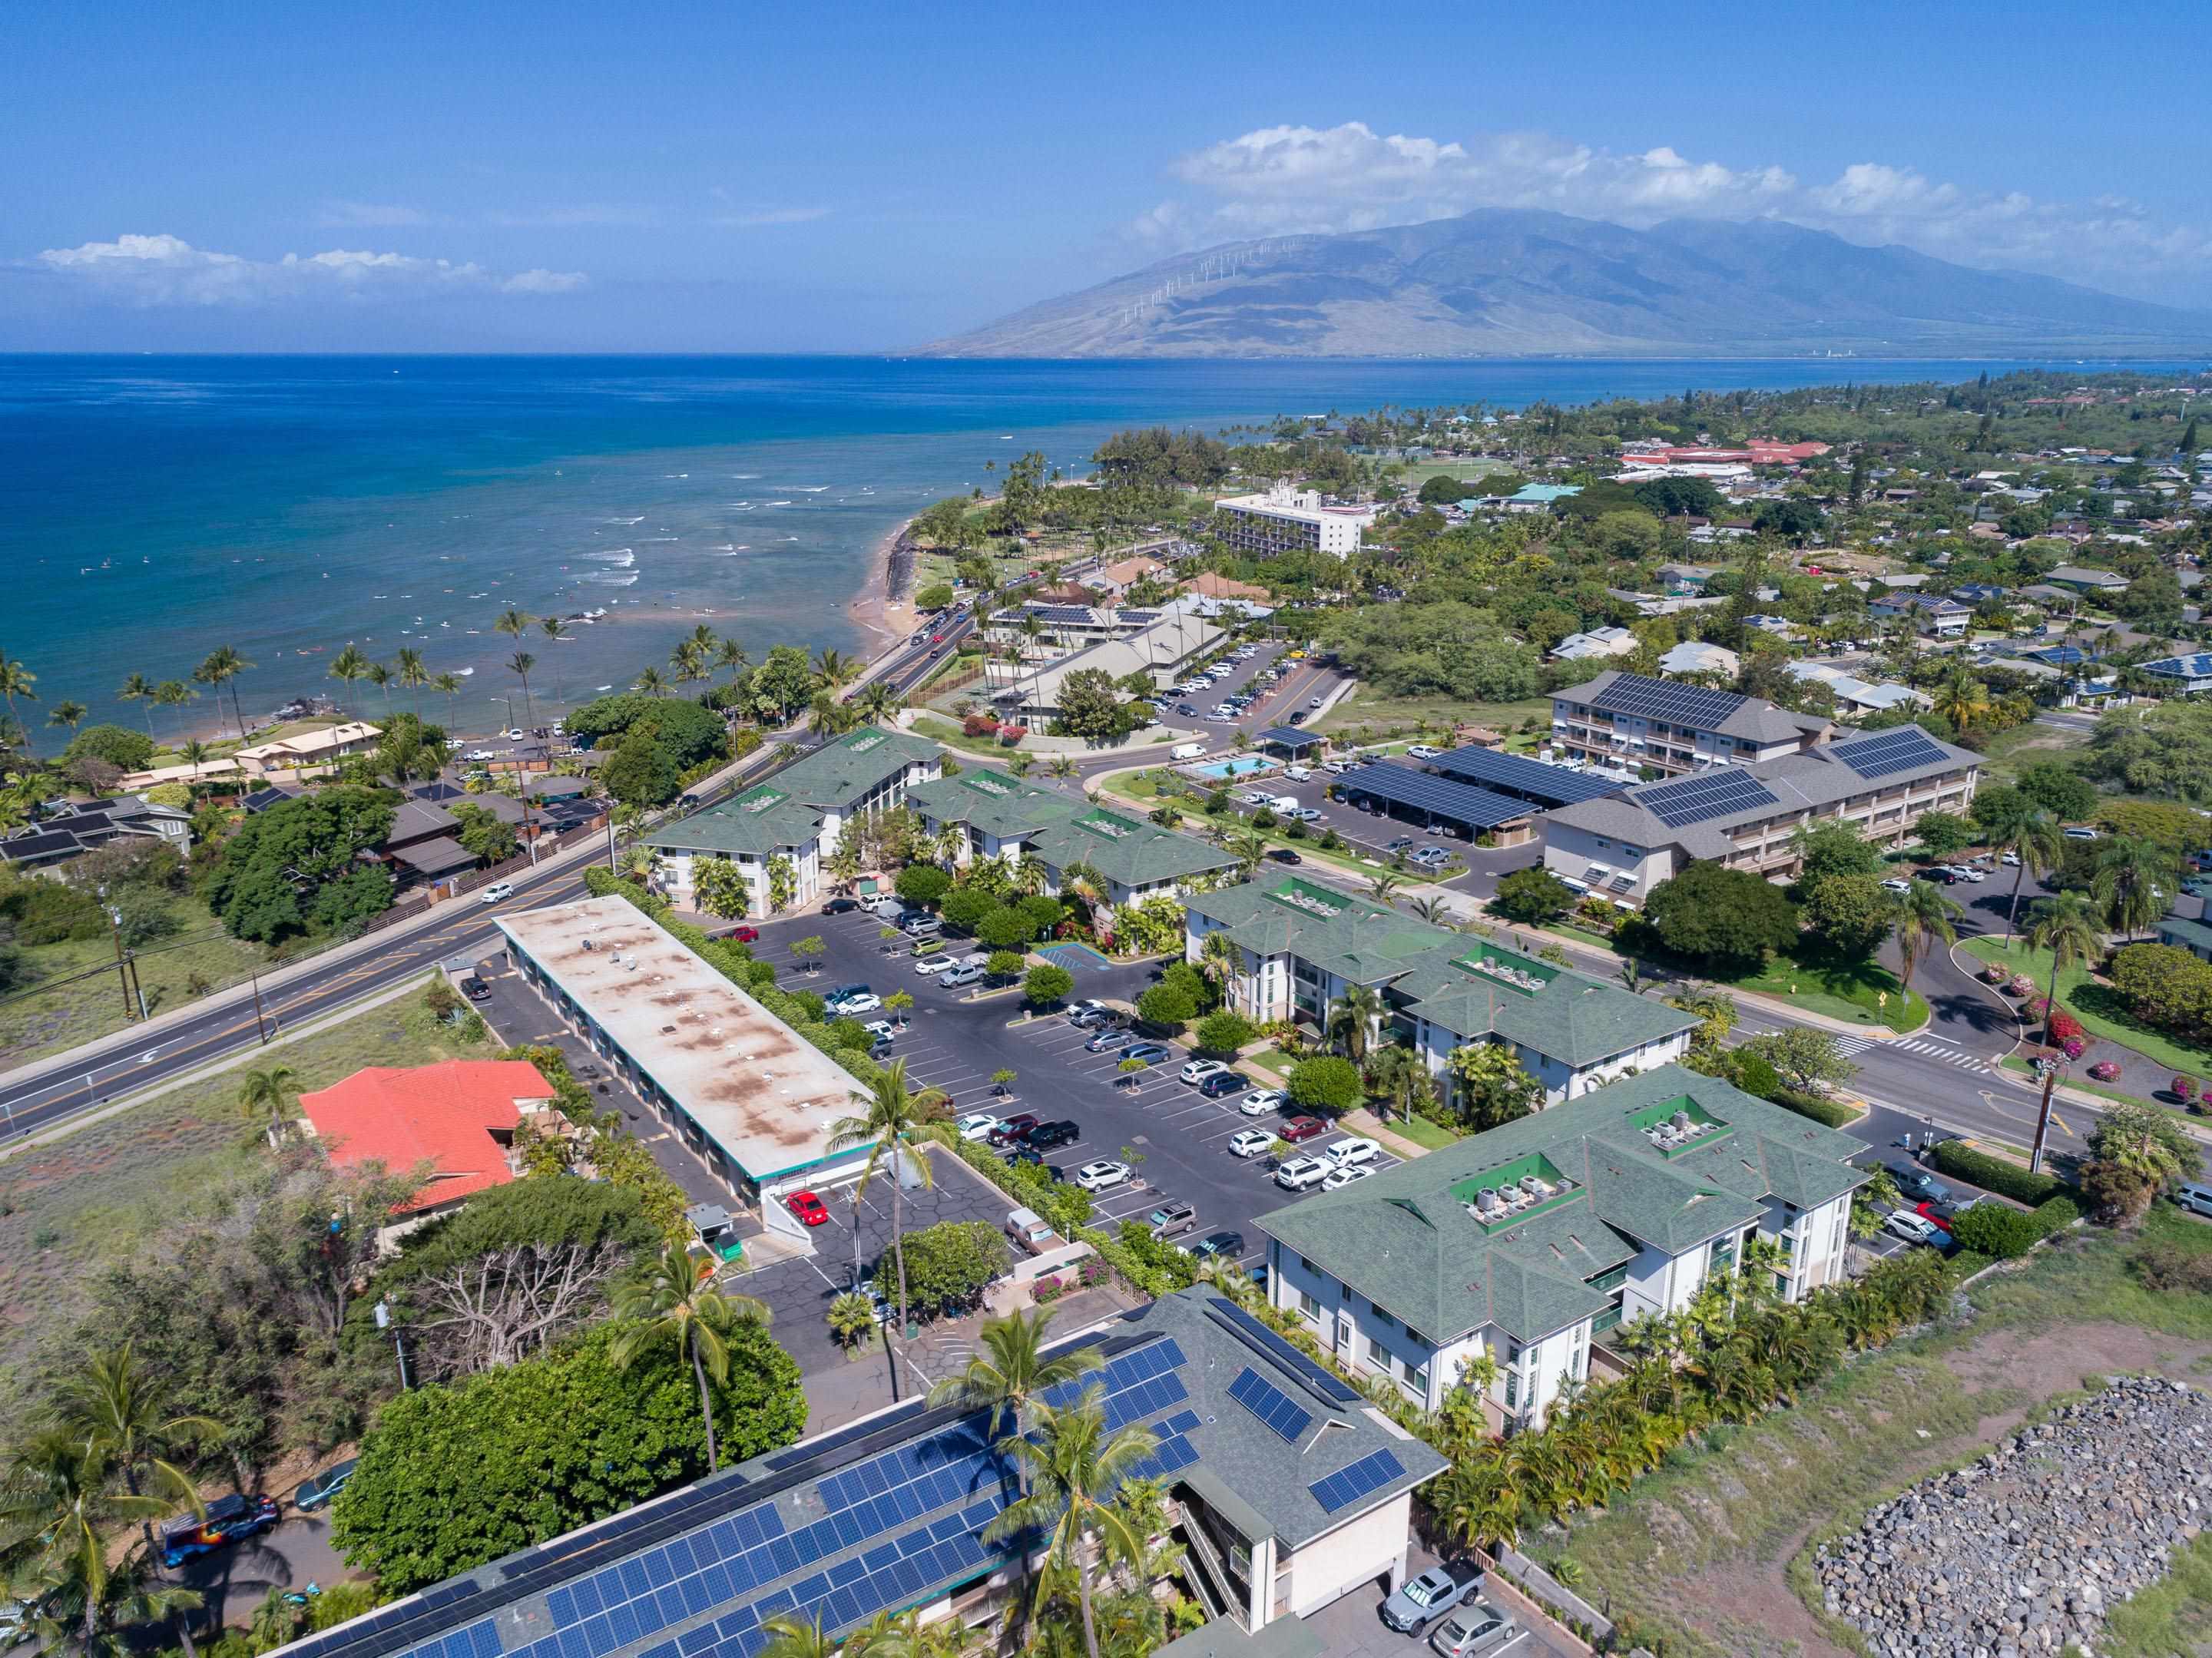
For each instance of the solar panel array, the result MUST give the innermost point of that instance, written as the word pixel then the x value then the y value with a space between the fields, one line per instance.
pixel 1138 1384
pixel 1348 1485
pixel 1518 774
pixel 1457 803
pixel 1062 613
pixel 1889 752
pixel 1271 1405
pixel 1289 736
pixel 1701 799
pixel 1271 1346
pixel 1663 699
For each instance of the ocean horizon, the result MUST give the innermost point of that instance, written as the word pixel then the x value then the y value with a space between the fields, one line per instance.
pixel 158 507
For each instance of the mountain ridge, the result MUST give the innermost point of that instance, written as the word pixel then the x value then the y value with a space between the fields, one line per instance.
pixel 1515 281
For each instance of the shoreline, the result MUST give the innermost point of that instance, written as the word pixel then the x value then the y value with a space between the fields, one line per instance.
pixel 890 580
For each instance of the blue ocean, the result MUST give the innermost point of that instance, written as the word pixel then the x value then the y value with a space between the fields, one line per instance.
pixel 154 508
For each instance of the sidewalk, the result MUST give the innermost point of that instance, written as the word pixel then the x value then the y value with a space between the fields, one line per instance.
pixel 1363 1122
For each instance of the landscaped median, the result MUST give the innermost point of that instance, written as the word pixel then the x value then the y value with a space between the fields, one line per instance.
pixel 2095 1003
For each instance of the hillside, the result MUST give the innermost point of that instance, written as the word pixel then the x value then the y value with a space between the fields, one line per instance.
pixel 1508 282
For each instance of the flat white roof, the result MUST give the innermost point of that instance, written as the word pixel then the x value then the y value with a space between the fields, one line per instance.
pixel 762 1092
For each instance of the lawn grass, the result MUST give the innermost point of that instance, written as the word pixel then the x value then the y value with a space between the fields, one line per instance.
pixel 1273 1060
pixel 1430 1136
pixel 2096 1005
pixel 1840 989
pixel 52 1015
pixel 1366 706
pixel 2020 1067
pixel 2004 755
pixel 108 1191
pixel 944 731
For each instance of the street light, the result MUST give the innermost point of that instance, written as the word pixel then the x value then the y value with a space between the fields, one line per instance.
pixel 390 1326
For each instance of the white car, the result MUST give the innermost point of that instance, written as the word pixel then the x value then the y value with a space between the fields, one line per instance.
pixel 1344 1153
pixel 2011 860
pixel 1102 1176
pixel 1969 872
pixel 867 1002
pixel 2078 833
pixel 1197 1071
pixel 498 893
pixel 1344 1178
pixel 976 1125
pixel 1299 1173
pixel 1423 752
pixel 482 754
pixel 1897 883
pixel 1914 1228
pixel 1260 1101
pixel 882 1029
pixel 932 964
pixel 1250 1143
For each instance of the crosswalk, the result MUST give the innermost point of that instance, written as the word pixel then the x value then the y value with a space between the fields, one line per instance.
pixel 1926 1047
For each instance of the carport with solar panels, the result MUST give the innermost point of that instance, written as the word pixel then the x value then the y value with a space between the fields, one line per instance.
pixel 1437 802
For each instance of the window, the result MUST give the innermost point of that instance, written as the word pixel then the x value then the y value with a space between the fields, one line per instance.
pixel 1377 1354
pixel 1310 1266
pixel 1512 1390
pixel 1419 1382
pixel 1381 1317
pixel 1310 1307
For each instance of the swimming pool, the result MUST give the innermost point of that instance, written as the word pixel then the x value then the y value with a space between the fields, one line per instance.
pixel 1244 767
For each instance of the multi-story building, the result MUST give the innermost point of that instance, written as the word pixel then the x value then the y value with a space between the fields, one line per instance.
pixel 1623 844
pixel 1172 640
pixel 1296 947
pixel 1529 1242
pixel 1017 822
pixel 1286 520
pixel 797 815
pixel 1938 618
pixel 1286 1489
pixel 1632 720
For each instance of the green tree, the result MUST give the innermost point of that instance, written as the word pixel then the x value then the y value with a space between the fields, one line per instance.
pixel 718 886
pixel 1043 986
pixel 1533 897
pixel 1354 1018
pixel 2017 825
pixel 1850 914
pixel 1943 834
pixel 1490 1088
pixel 1225 1032
pixel 639 774
pixel 1831 848
pixel 1167 1005
pixel 782 883
pixel 222 666
pixel 675 1300
pixel 897 1124
pixel 852 1318
pixel 1071 1465
pixel 2135 880
pixel 1090 707
pixel 490 838
pixel 949 1264
pixel 118 746
pixel 1326 1083
pixel 274 865
pixel 1808 1061
pixel 922 885
pixel 2136 1151
pixel 1729 917
pixel 266 1097
pixel 2067 926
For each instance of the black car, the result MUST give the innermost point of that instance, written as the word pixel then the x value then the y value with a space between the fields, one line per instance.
pixel 1045 1135
pixel 476 989
pixel 1219 1243
pixel 1222 1082
pixel 840 906
pixel 1022 1154
pixel 1298 716
pixel 1185 709
pixel 1285 855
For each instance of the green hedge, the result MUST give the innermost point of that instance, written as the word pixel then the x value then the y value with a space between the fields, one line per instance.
pixel 2005 1234
pixel 1813 1106
pixel 1994 1173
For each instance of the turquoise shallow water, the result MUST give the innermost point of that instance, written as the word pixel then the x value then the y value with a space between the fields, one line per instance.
pixel 153 507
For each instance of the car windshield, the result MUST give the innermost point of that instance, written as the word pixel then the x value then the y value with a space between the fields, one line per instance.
pixel 1421 1591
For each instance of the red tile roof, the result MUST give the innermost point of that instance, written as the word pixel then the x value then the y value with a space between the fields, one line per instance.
pixel 443 1115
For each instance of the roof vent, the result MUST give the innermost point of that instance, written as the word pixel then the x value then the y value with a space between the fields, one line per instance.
pixel 668 1030
pixel 588 945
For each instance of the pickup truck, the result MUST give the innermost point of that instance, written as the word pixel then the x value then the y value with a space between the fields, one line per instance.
pixel 229 1520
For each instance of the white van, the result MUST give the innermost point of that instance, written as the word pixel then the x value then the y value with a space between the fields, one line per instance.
pixel 1298 774
pixel 1283 802
pixel 1186 750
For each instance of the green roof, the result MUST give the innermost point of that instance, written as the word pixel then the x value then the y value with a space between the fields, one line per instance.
pixel 1360 942
pixel 787 809
pixel 2189 935
pixel 1063 830
pixel 1407 1239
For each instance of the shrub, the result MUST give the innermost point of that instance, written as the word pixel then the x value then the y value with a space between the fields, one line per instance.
pixel 1326 1083
pixel 1819 1110
pixel 2105 1070
pixel 921 883
pixel 979 725
pixel 1997 1230
pixel 2163 1266
pixel 2185 1088
pixel 1994 1174
pixel 2021 985
pixel 1046 985
pixel 1225 1032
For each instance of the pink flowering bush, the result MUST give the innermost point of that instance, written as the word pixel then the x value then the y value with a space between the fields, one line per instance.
pixel 2022 985
pixel 2185 1088
pixel 2105 1072
pixel 2073 1048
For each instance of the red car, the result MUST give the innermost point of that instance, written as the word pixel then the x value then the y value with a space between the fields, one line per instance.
pixel 1298 1129
pixel 1014 1130
pixel 746 935
pixel 808 1207
pixel 1937 1214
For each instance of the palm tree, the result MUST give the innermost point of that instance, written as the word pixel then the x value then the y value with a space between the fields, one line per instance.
pixel 1352 1017
pixel 835 670
pixel 522 662
pixel 728 653
pixel 1250 848
pixel 650 681
pixel 513 624
pixel 1434 911
pixel 793 1637
pixel 2068 926
pixel 897 1122
pixel 878 701
pixel 1071 1466
pixel 2132 880
pixel 407 670
pixel 555 630
pixel 448 685
pixel 263 1095
pixel 381 676
pixel 221 666
pixel 1061 767
pixel 2032 835
pixel 347 666
pixel 1924 913
pixel 1011 1375
pixel 57 1504
pixel 115 1403
pixel 676 1296
pixel 1963 700
pixel 68 714
pixel 16 680
pixel 173 693
pixel 830 717
pixel 195 753
pixel 690 660
pixel 1380 887
pixel 139 688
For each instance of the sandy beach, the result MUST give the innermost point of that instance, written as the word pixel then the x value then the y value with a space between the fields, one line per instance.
pixel 891 581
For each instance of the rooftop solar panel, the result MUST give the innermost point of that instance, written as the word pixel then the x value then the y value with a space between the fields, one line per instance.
pixel 1457 803
pixel 1289 736
pixel 1269 1345
pixel 1663 699
pixel 1348 1485
pixel 1515 773
pixel 1702 798
pixel 1889 752
pixel 1289 1419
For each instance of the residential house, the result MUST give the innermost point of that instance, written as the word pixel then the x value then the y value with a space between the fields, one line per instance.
pixel 1529 1243
pixel 321 747
pixel 1748 817
pixel 2182 676
pixel 72 827
pixel 1940 618
pixel 1696 656
pixel 1294 947
pixel 1597 644
pixel 1686 578
pixel 1856 698
pixel 1637 721
pixel 797 816
pixel 1539 497
pixel 455 1122
pixel 2081 579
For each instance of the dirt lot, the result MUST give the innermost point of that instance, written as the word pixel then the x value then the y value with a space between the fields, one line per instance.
pixel 1710 1552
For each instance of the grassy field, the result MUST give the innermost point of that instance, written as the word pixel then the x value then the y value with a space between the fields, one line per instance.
pixel 1364 706
pixel 2096 1006
pixel 108 1191
pixel 1713 1551
pixel 2006 753
pixel 51 1016
pixel 1432 1136
pixel 1846 990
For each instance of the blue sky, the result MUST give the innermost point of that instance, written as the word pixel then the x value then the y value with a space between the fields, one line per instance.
pixel 504 176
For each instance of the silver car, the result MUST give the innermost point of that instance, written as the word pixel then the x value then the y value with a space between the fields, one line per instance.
pixel 1477 1627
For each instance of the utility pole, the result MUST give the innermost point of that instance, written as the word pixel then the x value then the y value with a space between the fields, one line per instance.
pixel 385 1323
pixel 115 931
pixel 2043 1119
pixel 261 1023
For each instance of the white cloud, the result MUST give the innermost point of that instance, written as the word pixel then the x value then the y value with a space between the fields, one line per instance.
pixel 1290 180
pixel 168 270
pixel 370 216
pixel 747 219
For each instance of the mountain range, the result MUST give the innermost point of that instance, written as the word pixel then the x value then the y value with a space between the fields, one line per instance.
pixel 1505 281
